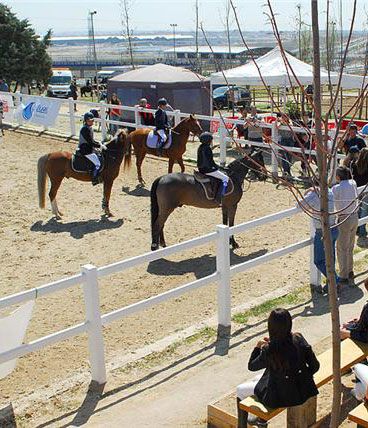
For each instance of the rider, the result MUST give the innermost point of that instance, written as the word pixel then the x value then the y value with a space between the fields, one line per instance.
pixel 161 124
pixel 206 164
pixel 87 144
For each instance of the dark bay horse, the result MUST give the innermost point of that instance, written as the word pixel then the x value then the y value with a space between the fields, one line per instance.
pixel 180 135
pixel 57 166
pixel 174 190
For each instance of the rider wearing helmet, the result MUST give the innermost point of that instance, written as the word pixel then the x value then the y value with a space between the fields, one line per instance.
pixel 161 124
pixel 87 144
pixel 206 164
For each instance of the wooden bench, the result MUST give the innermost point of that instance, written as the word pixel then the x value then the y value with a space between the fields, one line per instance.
pixel 360 415
pixel 351 354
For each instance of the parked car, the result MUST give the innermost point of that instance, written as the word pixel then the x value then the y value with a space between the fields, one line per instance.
pixel 224 96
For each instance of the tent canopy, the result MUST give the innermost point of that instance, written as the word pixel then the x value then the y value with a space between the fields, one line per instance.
pixel 276 73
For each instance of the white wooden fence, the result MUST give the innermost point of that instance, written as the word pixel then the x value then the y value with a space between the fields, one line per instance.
pixel 89 276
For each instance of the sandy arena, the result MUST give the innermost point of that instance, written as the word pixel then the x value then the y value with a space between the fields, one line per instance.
pixel 36 249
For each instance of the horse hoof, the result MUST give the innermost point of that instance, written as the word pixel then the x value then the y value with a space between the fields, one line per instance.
pixel 109 214
pixel 235 245
pixel 163 244
pixel 142 182
pixel 57 217
pixel 60 214
pixel 154 247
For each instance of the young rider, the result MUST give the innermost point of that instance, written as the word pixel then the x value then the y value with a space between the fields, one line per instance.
pixel 206 164
pixel 87 144
pixel 161 124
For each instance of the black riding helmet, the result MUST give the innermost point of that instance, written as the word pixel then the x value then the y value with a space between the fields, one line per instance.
pixel 162 102
pixel 88 116
pixel 206 137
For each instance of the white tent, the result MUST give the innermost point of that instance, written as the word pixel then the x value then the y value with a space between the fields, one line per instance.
pixel 275 73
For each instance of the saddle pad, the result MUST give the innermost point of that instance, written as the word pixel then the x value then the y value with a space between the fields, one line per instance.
pixel 210 185
pixel 152 141
pixel 81 164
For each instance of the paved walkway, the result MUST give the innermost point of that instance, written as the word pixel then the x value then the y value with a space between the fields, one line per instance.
pixel 177 395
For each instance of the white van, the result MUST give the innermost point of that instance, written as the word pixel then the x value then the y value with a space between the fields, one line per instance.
pixel 59 83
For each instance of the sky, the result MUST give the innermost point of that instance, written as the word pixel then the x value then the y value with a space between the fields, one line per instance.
pixel 70 16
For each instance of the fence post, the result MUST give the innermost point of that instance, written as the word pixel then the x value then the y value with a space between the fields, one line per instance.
pixel 274 151
pixel 223 135
pixel 137 118
pixel 223 285
pixel 93 316
pixel 314 273
pixel 73 131
pixel 103 123
pixel 177 117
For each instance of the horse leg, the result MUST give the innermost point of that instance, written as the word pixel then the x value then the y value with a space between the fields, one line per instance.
pixel 158 228
pixel 139 160
pixel 225 216
pixel 171 165
pixel 231 213
pixel 106 197
pixel 55 184
pixel 181 164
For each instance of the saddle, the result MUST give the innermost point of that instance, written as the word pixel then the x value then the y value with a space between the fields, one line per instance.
pixel 211 185
pixel 152 140
pixel 81 164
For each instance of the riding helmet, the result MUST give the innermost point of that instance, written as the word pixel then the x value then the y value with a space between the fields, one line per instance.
pixel 162 102
pixel 205 137
pixel 88 116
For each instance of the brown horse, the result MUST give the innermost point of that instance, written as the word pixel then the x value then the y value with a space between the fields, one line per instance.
pixel 57 166
pixel 180 135
pixel 174 190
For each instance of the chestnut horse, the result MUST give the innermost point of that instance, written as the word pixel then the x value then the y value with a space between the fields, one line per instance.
pixel 180 135
pixel 175 190
pixel 57 166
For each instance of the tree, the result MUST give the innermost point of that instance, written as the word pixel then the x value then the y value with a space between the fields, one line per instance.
pixel 126 6
pixel 23 55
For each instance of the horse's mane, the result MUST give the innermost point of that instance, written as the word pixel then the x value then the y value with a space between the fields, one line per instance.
pixel 362 162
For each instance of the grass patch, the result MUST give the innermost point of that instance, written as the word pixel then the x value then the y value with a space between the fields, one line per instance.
pixel 292 298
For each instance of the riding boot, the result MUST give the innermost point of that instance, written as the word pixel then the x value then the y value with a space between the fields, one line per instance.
pixel 95 178
pixel 160 145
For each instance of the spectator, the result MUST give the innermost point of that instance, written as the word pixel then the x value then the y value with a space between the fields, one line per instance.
pixel 353 139
pixel 114 113
pixel 289 362
pixel 286 139
pixel 359 169
pixel 1 116
pixel 146 117
pixel 255 132
pixel 74 92
pixel 3 86
pixel 311 202
pixel 345 197
pixel 240 129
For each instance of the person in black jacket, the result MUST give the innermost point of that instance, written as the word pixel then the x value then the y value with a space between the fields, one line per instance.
pixel 87 144
pixel 161 124
pixel 206 164
pixel 289 364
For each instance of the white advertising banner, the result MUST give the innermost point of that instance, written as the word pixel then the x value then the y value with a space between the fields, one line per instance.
pixel 39 110
pixel 8 105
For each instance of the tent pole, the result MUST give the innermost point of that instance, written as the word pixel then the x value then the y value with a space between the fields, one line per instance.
pixel 283 98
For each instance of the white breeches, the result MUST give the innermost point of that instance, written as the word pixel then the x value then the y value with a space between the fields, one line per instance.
pixel 360 388
pixel 94 159
pixel 246 389
pixel 161 133
pixel 220 175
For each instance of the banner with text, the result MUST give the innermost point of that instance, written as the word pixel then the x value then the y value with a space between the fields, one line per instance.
pixel 8 105
pixel 40 110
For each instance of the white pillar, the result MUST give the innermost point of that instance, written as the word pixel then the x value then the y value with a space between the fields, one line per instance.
pixel 93 317
pixel 223 285
pixel 103 123
pixel 314 273
pixel 223 136
pixel 72 118
pixel 177 118
pixel 137 118
pixel 274 151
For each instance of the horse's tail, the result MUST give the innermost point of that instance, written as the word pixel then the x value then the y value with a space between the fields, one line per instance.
pixel 154 203
pixel 41 179
pixel 128 153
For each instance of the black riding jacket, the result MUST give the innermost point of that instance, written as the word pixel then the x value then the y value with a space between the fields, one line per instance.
pixel 205 162
pixel 161 120
pixel 86 140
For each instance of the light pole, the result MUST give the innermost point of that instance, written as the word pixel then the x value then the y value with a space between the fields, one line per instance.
pixel 173 26
pixel 94 53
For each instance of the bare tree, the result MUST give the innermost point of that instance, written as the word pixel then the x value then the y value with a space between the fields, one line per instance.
pixel 126 6
pixel 226 21
pixel 304 35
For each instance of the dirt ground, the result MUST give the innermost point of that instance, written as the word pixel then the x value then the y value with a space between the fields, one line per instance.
pixel 36 249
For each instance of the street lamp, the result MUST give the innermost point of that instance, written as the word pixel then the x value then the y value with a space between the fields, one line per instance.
pixel 173 26
pixel 94 52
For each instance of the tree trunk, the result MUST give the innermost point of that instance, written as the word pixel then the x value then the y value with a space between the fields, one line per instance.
pixel 327 239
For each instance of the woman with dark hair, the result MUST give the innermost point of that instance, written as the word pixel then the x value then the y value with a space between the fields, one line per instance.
pixel 359 168
pixel 289 362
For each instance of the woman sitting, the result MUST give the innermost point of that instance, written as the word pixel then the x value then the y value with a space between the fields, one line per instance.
pixel 289 362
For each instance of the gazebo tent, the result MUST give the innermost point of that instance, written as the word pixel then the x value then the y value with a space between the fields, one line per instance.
pixel 184 90
pixel 276 73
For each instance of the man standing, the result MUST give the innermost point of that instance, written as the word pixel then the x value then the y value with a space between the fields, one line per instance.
pixel 146 117
pixel 161 124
